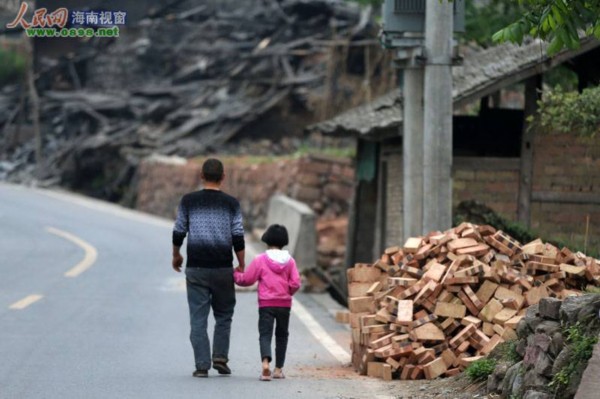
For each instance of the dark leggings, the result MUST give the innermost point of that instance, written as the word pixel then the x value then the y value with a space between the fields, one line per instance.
pixel 267 318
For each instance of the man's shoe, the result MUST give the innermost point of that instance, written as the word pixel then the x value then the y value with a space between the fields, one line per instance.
pixel 200 373
pixel 221 367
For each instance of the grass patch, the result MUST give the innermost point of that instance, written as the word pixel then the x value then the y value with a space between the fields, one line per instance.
pixel 506 352
pixel 334 152
pixel 480 369
pixel 582 346
pixel 305 150
pixel 590 289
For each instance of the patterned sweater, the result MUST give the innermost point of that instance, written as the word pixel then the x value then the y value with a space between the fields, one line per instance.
pixel 212 220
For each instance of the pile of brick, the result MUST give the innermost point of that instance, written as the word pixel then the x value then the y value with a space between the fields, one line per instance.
pixel 443 301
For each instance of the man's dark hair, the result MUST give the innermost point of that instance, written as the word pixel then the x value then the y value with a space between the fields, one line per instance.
pixel 275 236
pixel 212 170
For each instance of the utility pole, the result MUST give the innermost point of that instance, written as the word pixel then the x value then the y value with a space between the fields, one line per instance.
pixel 437 132
pixel 412 151
pixel 421 35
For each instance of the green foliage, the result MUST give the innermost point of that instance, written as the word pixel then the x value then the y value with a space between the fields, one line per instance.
pixel 374 3
pixel 590 289
pixel 480 369
pixel 335 152
pixel 570 112
pixel 482 20
pixel 507 352
pixel 555 21
pixel 12 66
pixel 582 346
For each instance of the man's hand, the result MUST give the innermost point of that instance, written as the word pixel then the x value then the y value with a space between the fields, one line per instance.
pixel 241 258
pixel 177 262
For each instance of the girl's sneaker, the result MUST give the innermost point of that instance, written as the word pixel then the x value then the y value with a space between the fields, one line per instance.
pixel 278 374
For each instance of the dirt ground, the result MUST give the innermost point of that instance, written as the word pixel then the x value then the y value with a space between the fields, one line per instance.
pixel 458 387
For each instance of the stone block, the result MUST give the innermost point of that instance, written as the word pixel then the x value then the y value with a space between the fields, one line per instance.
pixel 511 380
pixel 542 341
pixel 543 366
pixel 300 222
pixel 569 311
pixel 548 327
pixel 549 308
pixel 521 347
pixel 532 394
pixel 532 353
pixel 338 192
pixel 535 380
pixel 563 358
pixel 523 329
pixel 557 344
pixel 532 323
pixel 306 194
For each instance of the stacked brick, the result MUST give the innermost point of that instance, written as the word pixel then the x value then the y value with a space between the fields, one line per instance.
pixel 443 301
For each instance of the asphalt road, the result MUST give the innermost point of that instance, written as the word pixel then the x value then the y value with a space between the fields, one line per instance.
pixel 117 326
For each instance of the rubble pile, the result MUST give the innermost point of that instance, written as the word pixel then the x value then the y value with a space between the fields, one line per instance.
pixel 184 81
pixel 441 302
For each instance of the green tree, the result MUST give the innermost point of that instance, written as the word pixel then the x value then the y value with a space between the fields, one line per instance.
pixel 557 21
pixel 483 19
pixel 560 22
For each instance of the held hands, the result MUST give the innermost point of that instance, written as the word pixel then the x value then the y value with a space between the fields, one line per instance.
pixel 177 262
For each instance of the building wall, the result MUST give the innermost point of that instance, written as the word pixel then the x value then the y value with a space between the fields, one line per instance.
pixel 394 208
pixel 566 189
pixel 492 181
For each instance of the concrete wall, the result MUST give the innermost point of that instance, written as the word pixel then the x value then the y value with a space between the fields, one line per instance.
pixel 300 222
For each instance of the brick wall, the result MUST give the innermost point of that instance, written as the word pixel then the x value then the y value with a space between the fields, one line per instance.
pixel 566 188
pixel 161 183
pixel 325 184
pixel 392 158
pixel 493 181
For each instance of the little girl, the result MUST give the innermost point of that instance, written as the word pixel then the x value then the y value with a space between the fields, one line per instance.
pixel 278 279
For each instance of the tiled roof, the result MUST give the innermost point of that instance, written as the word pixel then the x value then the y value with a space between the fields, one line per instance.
pixel 482 73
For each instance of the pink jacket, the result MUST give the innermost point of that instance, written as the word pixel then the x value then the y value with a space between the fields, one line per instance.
pixel 277 276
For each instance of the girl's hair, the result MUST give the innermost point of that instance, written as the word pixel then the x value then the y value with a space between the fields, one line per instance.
pixel 276 235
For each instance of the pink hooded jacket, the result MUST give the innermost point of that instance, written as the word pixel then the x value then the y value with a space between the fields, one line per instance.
pixel 277 276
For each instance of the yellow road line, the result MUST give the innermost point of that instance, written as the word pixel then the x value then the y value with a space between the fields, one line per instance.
pixel 23 303
pixel 90 252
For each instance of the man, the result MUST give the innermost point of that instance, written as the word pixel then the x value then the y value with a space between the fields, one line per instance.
pixel 212 221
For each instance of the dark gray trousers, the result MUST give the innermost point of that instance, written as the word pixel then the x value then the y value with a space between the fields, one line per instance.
pixel 206 289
